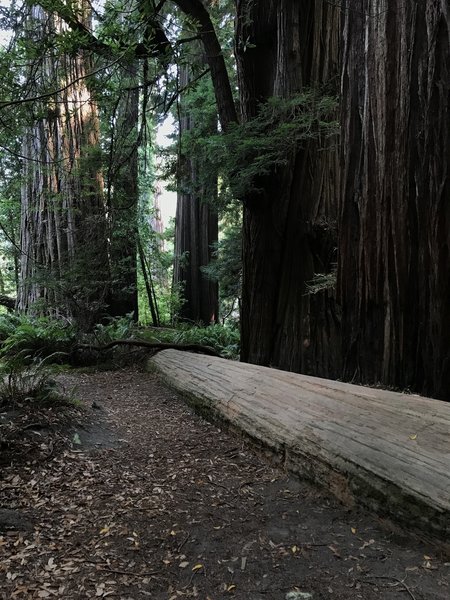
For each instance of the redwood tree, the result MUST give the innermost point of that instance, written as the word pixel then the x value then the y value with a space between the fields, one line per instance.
pixel 394 273
pixel 123 192
pixel 196 223
pixel 283 48
pixel 64 256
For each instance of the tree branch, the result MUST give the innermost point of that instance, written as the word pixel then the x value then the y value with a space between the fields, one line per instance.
pixel 214 57
pixel 4 105
pixel 156 43
pixel 158 346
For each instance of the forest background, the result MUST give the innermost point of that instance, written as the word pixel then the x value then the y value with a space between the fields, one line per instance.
pixel 310 160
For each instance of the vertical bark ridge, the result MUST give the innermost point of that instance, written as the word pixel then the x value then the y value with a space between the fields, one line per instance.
pixel 289 228
pixel 394 281
pixel 196 230
pixel 124 196
pixel 64 263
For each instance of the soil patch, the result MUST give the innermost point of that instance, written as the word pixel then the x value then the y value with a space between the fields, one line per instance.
pixel 33 431
pixel 147 500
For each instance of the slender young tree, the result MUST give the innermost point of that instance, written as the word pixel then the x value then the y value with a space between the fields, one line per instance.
pixel 394 250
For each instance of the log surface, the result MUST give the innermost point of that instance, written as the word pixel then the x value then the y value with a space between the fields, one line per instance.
pixel 387 451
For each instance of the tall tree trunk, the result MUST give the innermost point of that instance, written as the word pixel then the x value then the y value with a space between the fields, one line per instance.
pixel 64 260
pixel 196 230
pixel 123 198
pixel 282 48
pixel 394 274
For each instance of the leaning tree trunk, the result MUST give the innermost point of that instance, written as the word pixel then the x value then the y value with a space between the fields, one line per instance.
pixel 196 230
pixel 394 275
pixel 289 232
pixel 64 256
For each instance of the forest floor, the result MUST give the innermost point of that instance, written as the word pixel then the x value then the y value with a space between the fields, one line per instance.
pixel 141 498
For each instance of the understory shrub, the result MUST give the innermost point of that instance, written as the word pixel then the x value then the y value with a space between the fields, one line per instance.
pixel 29 345
pixel 116 328
pixel 32 384
pixel 222 338
pixel 8 324
pixel 27 338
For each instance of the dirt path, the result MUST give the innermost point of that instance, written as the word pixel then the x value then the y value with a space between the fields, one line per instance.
pixel 156 503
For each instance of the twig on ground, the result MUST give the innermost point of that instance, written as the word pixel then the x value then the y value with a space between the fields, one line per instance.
pixel 184 541
pixel 402 583
pixel 33 426
pixel 310 545
pixel 104 567
pixel 224 487
pixel 246 483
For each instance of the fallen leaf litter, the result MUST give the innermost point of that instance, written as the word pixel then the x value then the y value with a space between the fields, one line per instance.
pixel 156 503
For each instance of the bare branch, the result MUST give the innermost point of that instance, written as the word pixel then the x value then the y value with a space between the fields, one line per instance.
pixel 158 346
pixel 4 105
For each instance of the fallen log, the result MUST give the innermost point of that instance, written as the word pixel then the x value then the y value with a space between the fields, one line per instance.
pixel 157 346
pixel 387 451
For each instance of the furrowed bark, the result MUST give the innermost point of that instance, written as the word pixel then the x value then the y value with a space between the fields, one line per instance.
pixel 394 282
pixel 196 228
pixel 283 48
pixel 64 257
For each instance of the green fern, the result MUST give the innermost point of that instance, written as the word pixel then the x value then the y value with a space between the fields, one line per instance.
pixel 222 338
pixel 30 338
pixel 28 384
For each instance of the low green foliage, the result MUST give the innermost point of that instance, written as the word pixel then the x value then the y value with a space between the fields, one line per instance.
pixel 8 324
pixel 31 347
pixel 116 328
pixel 28 347
pixel 30 338
pixel 321 282
pixel 22 385
pixel 226 268
pixel 222 338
